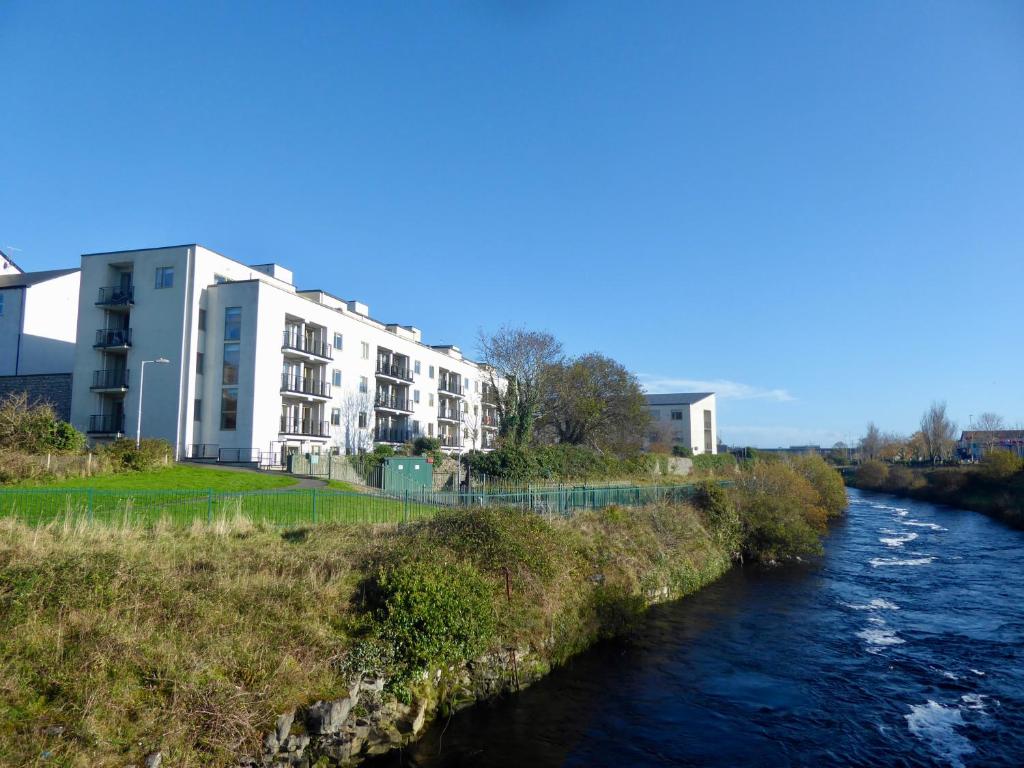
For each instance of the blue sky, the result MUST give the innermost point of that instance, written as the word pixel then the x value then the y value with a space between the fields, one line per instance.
pixel 813 208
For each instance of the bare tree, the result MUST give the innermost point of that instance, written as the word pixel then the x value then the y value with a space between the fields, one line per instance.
pixel 472 419
pixel 353 437
pixel 988 422
pixel 871 443
pixel 516 359
pixel 938 432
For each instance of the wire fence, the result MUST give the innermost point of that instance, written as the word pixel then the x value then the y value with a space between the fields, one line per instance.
pixel 41 506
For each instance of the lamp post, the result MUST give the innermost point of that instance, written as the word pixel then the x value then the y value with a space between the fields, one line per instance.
pixel 142 376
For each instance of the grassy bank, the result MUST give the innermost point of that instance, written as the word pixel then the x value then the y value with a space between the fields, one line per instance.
pixel 973 487
pixel 117 641
pixel 176 476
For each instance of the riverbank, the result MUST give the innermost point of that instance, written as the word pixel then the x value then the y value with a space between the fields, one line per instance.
pixel 219 642
pixel 967 487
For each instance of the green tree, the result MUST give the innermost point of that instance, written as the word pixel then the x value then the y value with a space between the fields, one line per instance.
pixel 593 400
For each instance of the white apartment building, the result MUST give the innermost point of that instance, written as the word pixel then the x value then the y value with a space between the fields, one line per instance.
pixel 257 367
pixel 690 419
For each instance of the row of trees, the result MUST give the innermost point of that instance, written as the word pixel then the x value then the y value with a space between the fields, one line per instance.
pixel 934 441
pixel 545 397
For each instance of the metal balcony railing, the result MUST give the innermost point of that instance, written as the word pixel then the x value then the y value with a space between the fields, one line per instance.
pixel 393 402
pixel 305 385
pixel 115 296
pixel 392 435
pixel 489 420
pixel 449 414
pixel 106 424
pixel 450 387
pixel 394 370
pixel 450 441
pixel 111 378
pixel 113 337
pixel 306 427
pixel 310 346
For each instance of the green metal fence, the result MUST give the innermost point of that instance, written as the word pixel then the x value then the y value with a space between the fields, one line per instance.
pixel 304 507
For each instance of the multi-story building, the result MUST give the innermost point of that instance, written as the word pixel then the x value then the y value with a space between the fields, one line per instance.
pixel 257 367
pixel 685 419
pixel 37 332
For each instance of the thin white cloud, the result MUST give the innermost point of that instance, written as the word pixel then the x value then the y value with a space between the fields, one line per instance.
pixel 725 389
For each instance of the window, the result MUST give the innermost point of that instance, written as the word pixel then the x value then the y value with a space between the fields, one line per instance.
pixel 415 427
pixel 366 351
pixel 164 277
pixel 362 419
pixel 364 385
pixel 229 408
pixel 416 367
pixel 707 432
pixel 338 341
pixel 476 385
pixel 218 279
pixel 1 305
pixel 336 377
pixel 231 354
pixel 430 371
pixel 677 415
pixel 202 319
pixel 336 417
pixel 197 410
pixel 655 414
pixel 430 399
pixel 430 429
pixel 232 323
pixel 415 395
pixel 199 362
pixel 465 383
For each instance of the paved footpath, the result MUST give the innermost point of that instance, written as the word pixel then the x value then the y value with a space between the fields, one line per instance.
pixel 301 482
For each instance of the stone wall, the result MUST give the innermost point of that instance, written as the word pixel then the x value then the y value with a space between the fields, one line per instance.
pixel 52 388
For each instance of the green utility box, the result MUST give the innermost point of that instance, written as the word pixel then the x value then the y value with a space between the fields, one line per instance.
pixel 408 473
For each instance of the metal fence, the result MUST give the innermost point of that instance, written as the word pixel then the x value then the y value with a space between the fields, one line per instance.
pixel 307 506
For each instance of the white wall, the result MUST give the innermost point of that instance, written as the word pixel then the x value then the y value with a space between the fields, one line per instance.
pixel 50 326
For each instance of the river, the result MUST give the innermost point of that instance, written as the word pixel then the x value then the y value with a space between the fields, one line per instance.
pixel 901 647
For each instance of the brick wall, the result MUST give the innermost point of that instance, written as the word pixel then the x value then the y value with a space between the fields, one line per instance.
pixel 53 388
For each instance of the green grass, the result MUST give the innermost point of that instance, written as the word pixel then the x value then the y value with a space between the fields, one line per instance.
pixel 178 477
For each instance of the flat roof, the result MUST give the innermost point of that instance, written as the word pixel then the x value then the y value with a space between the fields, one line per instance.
pixel 678 398
pixel 24 279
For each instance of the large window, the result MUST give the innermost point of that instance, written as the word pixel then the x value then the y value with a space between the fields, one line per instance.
pixel 336 416
pixel 707 432
pixel 164 277
pixel 231 356
pixel 677 415
pixel 336 377
pixel 338 341
pixel 232 323
pixel 364 385
pixel 229 408
pixel 362 420
pixel 366 351
pixel 202 319
pixel 199 362
pixel 197 410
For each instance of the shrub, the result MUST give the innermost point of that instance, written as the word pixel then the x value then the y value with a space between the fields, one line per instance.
pixel 422 445
pixel 714 462
pixel 781 512
pixel 125 456
pixel 432 614
pixel 902 478
pixel 872 474
pixel 682 450
pixel 1001 465
pixel 718 511
pixel 35 428
pixel 826 481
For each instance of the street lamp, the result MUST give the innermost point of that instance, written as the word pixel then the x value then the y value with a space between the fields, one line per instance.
pixel 142 376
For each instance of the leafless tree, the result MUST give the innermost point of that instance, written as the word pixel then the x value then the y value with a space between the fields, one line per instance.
pixel 472 418
pixel 938 432
pixel 988 422
pixel 516 359
pixel 871 443
pixel 351 437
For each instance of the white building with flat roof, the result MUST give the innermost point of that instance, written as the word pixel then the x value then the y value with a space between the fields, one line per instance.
pixel 257 368
pixel 690 419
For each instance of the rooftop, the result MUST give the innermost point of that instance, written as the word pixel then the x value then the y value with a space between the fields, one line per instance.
pixel 24 279
pixel 678 398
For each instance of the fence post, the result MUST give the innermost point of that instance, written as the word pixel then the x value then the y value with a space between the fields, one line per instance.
pixel 209 505
pixel 407 505
pixel 313 493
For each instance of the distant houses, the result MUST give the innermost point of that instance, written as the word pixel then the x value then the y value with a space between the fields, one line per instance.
pixel 685 420
pixel 975 443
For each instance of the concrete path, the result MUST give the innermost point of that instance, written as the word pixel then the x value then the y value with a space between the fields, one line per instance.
pixel 300 482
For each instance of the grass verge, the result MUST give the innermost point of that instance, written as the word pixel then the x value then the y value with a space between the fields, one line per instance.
pixel 178 477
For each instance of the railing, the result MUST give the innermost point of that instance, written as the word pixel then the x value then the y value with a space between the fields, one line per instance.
pixel 488 420
pixel 305 385
pixel 449 414
pixel 106 424
pixel 450 441
pixel 202 451
pixel 111 378
pixel 393 402
pixel 488 441
pixel 450 387
pixel 392 435
pixel 394 370
pixel 113 337
pixel 115 295
pixel 301 343
pixel 41 506
pixel 304 427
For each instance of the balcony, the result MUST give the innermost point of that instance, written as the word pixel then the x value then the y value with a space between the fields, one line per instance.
pixel 398 371
pixel 296 342
pixel 450 387
pixel 106 424
pixel 400 403
pixel 392 435
pixel 303 385
pixel 449 414
pixel 489 420
pixel 113 338
pixel 305 427
pixel 110 380
pixel 116 296
pixel 450 441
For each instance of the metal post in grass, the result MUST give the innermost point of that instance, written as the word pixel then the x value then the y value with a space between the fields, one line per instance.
pixel 313 496
pixel 407 505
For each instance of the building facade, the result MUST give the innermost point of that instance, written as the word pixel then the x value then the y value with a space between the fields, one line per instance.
pixel 257 368
pixel 975 443
pixel 685 419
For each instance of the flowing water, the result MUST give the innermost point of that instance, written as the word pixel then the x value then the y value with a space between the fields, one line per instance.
pixel 903 647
